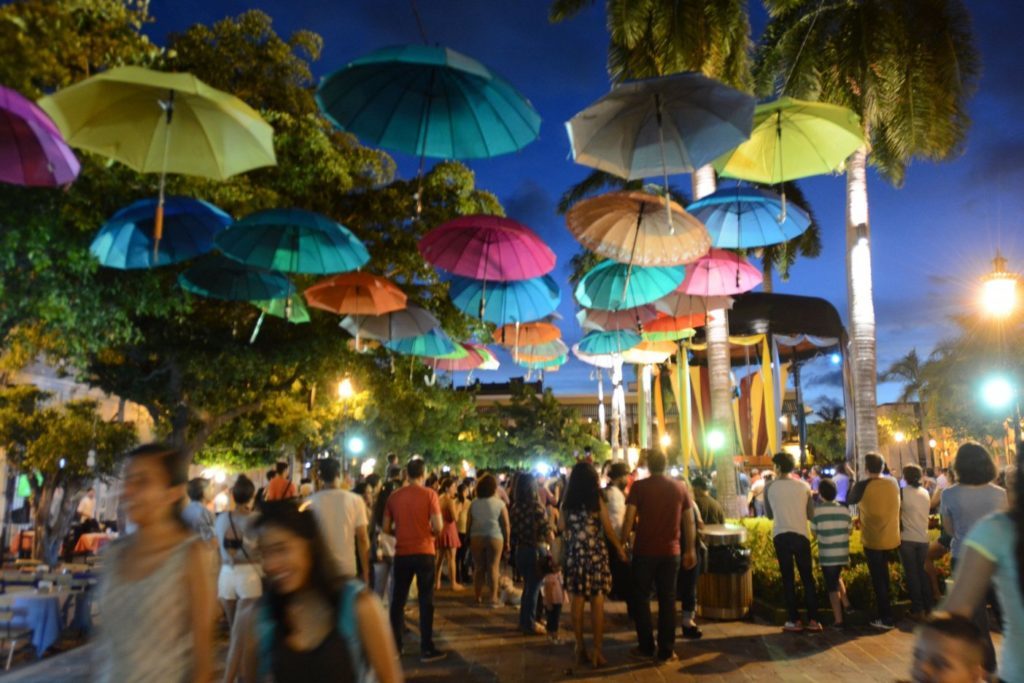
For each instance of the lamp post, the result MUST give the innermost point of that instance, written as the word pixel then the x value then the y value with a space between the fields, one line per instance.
pixel 346 391
pixel 997 392
pixel 999 301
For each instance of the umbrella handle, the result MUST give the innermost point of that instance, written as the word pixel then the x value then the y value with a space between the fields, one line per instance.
pixel 256 330
pixel 158 223
pixel 664 165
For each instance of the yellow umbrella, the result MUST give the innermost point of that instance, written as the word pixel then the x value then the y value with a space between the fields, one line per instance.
pixel 157 122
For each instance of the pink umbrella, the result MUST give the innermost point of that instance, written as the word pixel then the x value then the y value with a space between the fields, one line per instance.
pixel 471 361
pixel 488 248
pixel 720 273
pixel 32 150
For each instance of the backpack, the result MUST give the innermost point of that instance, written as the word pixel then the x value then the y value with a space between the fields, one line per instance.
pixel 347 628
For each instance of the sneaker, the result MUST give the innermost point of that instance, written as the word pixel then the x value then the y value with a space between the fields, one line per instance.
pixel 813 627
pixel 793 626
pixel 671 659
pixel 434 655
pixel 692 632
pixel 637 653
pixel 882 625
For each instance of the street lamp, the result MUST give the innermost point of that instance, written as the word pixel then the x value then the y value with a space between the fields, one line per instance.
pixel 999 289
pixel 345 389
pixel 356 445
pixel 715 439
pixel 998 393
pixel 666 440
pixel 900 437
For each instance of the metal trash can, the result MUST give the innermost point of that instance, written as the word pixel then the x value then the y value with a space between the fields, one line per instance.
pixel 725 589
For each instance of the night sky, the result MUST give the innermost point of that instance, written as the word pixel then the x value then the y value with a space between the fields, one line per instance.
pixel 932 239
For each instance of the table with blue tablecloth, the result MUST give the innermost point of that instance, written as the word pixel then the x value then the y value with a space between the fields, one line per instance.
pixel 40 612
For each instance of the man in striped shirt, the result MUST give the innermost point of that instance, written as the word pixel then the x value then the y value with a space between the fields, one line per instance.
pixel 831 524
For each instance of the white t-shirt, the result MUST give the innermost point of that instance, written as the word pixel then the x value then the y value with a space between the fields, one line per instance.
pixel 340 513
pixel 914 514
pixel 788 500
pixel 87 507
pixel 616 507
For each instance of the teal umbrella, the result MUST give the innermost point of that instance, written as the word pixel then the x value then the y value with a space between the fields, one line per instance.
pixel 552 364
pixel 293 241
pixel 291 308
pixel 433 343
pixel 613 286
pixel 505 303
pixel 601 343
pixel 217 277
pixel 428 101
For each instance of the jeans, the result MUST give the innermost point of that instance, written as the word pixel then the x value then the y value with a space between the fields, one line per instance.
pixel 878 566
pixel 552 615
pixel 913 555
pixel 660 573
pixel 795 548
pixel 687 586
pixel 527 557
pixel 405 568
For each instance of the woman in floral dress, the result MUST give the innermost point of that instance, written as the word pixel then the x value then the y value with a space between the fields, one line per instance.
pixel 585 524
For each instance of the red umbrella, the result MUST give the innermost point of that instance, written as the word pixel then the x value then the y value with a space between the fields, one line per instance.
pixel 356 294
pixel 488 248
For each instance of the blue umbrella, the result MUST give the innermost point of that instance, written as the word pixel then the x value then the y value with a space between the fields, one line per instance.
pixel 505 303
pixel 126 240
pixel 748 218
pixel 613 286
pixel 432 344
pixel 428 101
pixel 217 277
pixel 602 343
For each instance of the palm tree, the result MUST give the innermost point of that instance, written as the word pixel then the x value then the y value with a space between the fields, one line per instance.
pixel 907 68
pixel 908 370
pixel 779 258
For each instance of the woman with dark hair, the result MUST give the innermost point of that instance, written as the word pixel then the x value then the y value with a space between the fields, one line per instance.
pixel 448 542
pixel 963 505
pixel 239 585
pixel 993 553
pixel 157 593
pixel 530 530
pixel 462 499
pixel 488 535
pixel 311 624
pixel 585 525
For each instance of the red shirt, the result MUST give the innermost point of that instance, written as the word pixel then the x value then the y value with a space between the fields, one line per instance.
pixel 659 503
pixel 410 509
pixel 280 488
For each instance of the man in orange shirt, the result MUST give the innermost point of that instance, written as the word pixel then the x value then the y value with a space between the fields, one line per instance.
pixel 281 486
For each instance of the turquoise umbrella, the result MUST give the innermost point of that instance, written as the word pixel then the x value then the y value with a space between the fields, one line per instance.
pixel 545 364
pixel 601 343
pixel 613 286
pixel 428 101
pixel 291 308
pixel 748 218
pixel 505 303
pixel 126 240
pixel 217 277
pixel 433 343
pixel 293 241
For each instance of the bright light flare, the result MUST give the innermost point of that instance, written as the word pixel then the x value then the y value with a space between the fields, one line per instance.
pixel 356 445
pixel 932 443
pixel 345 389
pixel 543 469
pixel 999 295
pixel 716 439
pixel 366 469
pixel 997 392
pixel 666 440
pixel 900 437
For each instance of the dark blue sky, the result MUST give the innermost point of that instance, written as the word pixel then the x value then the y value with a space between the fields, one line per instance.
pixel 931 239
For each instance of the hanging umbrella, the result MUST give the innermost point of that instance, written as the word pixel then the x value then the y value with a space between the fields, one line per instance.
pixel 487 248
pixel 292 309
pixel 649 352
pixel 614 286
pixel 721 273
pixel 32 151
pixel 625 319
pixel 431 343
pixel 356 294
pixel 470 359
pixel 126 240
pixel 520 301
pixel 618 341
pixel 604 361
pixel 528 334
pixel 490 360
pixel 748 218
pixel 540 352
pixel 411 321
pixel 218 277
pixel 630 227
pixel 158 122
pixel 293 241
pixel 428 101
pixel 679 303
pixel 671 328
pixel 548 365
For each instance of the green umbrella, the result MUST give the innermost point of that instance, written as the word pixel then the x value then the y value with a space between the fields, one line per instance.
pixel 433 343
pixel 613 286
pixel 293 241
pixel 292 308
pixel 217 277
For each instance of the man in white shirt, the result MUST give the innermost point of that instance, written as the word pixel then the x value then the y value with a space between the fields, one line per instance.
pixel 87 506
pixel 342 517
pixel 615 496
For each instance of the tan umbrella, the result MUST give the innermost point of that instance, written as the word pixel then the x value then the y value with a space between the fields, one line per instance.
pixel 679 304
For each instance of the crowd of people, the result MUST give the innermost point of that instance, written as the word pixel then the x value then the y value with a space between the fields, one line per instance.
pixel 313 585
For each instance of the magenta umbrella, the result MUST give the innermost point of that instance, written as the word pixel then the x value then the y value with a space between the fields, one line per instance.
pixel 720 273
pixel 32 150
pixel 488 248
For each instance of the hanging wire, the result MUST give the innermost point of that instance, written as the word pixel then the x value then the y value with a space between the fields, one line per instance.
pixel 419 22
pixel 796 60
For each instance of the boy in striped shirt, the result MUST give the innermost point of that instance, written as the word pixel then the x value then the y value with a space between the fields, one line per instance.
pixel 831 525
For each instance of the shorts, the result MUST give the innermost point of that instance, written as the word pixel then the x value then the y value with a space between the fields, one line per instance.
pixel 832 575
pixel 239 582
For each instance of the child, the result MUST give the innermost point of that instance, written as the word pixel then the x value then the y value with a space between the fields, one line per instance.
pixel 949 648
pixel 831 526
pixel 554 597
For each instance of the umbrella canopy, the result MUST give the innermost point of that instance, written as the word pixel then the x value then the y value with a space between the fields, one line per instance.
pixel 794 139
pixel 671 328
pixel 618 341
pixel 679 303
pixel 632 227
pixel 158 122
pixel 487 248
pixel 605 361
pixel 748 218
pixel 650 352
pixel 471 359
pixel 661 126
pixel 428 101
pixel 432 343
pixel 293 308
pixel 126 240
pixel 613 286
pixel 502 303
pixel 293 241
pixel 32 150
pixel 721 273
pixel 549 365
pixel 528 334
pixel 218 277
pixel 411 321
pixel 625 319
pixel 542 352
pixel 356 294
pixel 490 360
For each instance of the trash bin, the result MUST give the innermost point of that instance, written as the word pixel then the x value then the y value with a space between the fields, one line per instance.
pixel 725 590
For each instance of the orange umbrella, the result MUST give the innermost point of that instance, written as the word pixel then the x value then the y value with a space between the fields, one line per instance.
pixel 667 323
pixel 649 352
pixel 529 334
pixel 356 294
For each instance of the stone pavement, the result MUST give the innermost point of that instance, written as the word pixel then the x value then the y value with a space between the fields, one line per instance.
pixel 485 646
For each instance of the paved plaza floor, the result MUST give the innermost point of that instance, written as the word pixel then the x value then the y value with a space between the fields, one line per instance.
pixel 485 646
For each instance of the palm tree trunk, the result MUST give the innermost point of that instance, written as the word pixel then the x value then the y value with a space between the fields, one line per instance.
pixel 922 435
pixel 719 377
pixel 861 307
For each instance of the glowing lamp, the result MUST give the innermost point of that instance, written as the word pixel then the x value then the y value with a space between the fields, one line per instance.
pixel 666 440
pixel 999 289
pixel 997 392
pixel 345 389
pixel 900 437
pixel 543 469
pixel 932 443
pixel 366 469
pixel 715 439
pixel 356 445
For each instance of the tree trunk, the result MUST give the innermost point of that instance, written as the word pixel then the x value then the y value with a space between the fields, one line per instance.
pixel 861 307
pixel 720 379
pixel 922 435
